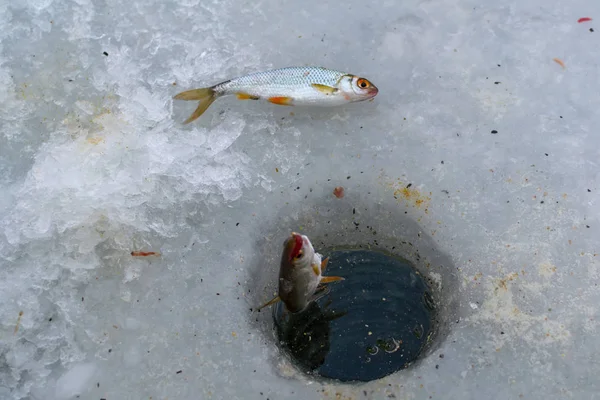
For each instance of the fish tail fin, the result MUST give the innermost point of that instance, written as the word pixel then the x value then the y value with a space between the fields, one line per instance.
pixel 206 96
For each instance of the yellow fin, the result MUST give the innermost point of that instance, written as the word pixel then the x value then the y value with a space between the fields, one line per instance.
pixel 324 88
pixel 329 279
pixel 316 269
pixel 246 96
pixel 324 264
pixel 272 301
pixel 206 97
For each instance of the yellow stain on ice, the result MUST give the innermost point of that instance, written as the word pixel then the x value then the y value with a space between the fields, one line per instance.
pixel 503 283
pixel 80 122
pixel 405 193
pixel 95 140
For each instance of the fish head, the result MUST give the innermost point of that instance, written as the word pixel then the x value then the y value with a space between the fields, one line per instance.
pixel 298 251
pixel 356 88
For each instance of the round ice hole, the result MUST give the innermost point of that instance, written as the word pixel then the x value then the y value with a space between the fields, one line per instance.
pixel 374 323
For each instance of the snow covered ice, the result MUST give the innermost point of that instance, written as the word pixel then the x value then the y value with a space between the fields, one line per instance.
pixel 95 164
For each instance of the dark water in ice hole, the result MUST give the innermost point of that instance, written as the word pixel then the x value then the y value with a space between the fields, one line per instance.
pixel 364 328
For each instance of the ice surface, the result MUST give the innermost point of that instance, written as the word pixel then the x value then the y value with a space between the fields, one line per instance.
pixel 94 163
pixel 74 381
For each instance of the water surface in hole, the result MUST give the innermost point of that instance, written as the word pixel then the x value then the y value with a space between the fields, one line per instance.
pixel 368 326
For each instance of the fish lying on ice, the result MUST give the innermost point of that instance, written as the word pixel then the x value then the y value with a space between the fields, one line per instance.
pixel 300 273
pixel 287 86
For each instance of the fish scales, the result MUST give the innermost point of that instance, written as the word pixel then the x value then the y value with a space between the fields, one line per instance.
pixel 289 80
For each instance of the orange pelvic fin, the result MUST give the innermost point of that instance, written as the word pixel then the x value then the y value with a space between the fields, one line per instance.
pixel 324 264
pixel 270 302
pixel 246 96
pixel 282 101
pixel 329 279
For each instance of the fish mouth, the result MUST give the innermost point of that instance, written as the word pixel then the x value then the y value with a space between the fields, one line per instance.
pixel 372 92
pixel 368 94
pixel 294 244
pixel 292 238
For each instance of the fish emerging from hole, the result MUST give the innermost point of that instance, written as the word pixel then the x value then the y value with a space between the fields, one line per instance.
pixel 287 86
pixel 300 273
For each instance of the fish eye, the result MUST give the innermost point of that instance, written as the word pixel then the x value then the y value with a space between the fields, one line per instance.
pixel 299 256
pixel 362 83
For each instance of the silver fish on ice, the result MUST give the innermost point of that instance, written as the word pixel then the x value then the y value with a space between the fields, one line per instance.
pixel 287 86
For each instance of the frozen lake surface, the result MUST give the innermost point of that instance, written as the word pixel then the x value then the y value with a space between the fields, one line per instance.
pixel 480 150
